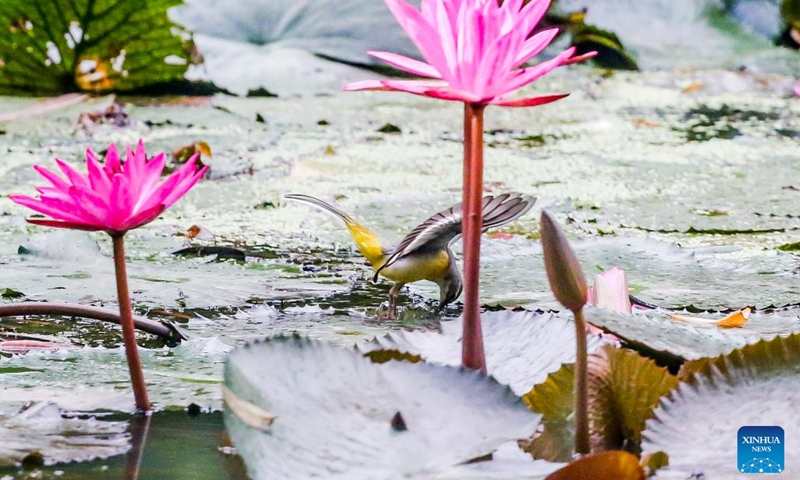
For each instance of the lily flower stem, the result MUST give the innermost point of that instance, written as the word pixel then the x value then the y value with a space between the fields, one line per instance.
pixel 139 427
pixel 581 390
pixel 126 320
pixel 472 355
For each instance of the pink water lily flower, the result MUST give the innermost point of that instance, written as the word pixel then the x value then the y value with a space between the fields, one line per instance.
pixel 610 291
pixel 114 197
pixel 473 50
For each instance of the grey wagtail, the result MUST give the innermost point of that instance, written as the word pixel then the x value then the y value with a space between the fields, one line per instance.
pixel 424 254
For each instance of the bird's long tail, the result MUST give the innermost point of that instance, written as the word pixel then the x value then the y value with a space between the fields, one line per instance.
pixel 368 243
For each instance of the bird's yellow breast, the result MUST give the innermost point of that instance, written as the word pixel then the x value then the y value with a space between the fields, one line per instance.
pixel 415 267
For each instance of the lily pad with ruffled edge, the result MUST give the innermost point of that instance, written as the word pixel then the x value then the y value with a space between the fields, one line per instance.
pixel 521 347
pixel 659 272
pixel 697 425
pixel 286 46
pixel 338 415
pixel 654 332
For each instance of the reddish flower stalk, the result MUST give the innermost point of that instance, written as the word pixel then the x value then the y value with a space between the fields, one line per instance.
pixel 474 51
pixel 472 354
pixel 113 198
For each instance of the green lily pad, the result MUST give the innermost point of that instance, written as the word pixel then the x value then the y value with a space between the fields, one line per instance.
pixel 655 330
pixel 335 413
pixel 69 45
pixel 697 425
pixel 521 347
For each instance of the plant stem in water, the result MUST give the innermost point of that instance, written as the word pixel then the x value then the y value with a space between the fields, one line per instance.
pixel 128 331
pixel 581 394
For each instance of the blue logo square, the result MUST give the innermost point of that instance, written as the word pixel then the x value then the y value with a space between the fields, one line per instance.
pixel 761 450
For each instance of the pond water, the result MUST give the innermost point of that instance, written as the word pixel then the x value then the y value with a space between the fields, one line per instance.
pixel 689 178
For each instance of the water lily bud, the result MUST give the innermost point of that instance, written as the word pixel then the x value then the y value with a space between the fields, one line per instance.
pixel 563 270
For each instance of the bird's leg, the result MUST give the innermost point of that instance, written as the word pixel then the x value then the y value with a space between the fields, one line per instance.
pixel 395 290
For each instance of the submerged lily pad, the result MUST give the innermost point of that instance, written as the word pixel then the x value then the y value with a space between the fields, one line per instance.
pixel 657 330
pixel 44 428
pixel 521 347
pixel 334 413
pixel 696 426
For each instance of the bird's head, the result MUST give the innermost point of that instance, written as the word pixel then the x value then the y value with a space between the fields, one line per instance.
pixel 450 287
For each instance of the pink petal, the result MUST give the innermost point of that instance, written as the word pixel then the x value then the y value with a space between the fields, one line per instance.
pixel 528 75
pixel 529 101
pixel 365 85
pixel 421 32
pixel 75 177
pixel 407 64
pixel 54 179
pixel 51 207
pixel 579 58
pixel 797 90
pixel 534 45
pixel 142 218
pixel 97 176
pixel 121 200
pixel 92 207
pixel 113 164
pixel 184 186
pixel 611 291
pixel 530 15
pixel 70 225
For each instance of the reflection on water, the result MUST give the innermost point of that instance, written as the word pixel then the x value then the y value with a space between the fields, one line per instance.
pixel 169 445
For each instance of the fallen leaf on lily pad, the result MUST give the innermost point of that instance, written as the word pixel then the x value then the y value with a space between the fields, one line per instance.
pixel 521 347
pixel 615 465
pixel 334 412
pixel 735 319
pixel 697 424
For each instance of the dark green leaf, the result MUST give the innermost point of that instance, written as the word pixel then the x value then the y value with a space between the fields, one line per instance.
pixel 91 45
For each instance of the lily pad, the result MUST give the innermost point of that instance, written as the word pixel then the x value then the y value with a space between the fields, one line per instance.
pixel 696 426
pixel 286 46
pixel 333 413
pixel 624 388
pixel 656 330
pixel 69 45
pixel 521 347
pixel 663 273
pixel 616 465
pixel 44 428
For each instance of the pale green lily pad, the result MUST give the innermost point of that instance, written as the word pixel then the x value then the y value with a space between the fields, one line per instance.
pixel 698 423
pixel 44 428
pixel 333 413
pixel 662 273
pixel 521 348
pixel 659 332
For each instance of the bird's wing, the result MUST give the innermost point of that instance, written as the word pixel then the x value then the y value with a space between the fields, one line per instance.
pixel 368 243
pixel 441 229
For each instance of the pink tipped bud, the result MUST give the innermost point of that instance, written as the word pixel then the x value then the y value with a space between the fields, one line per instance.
pixel 563 270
